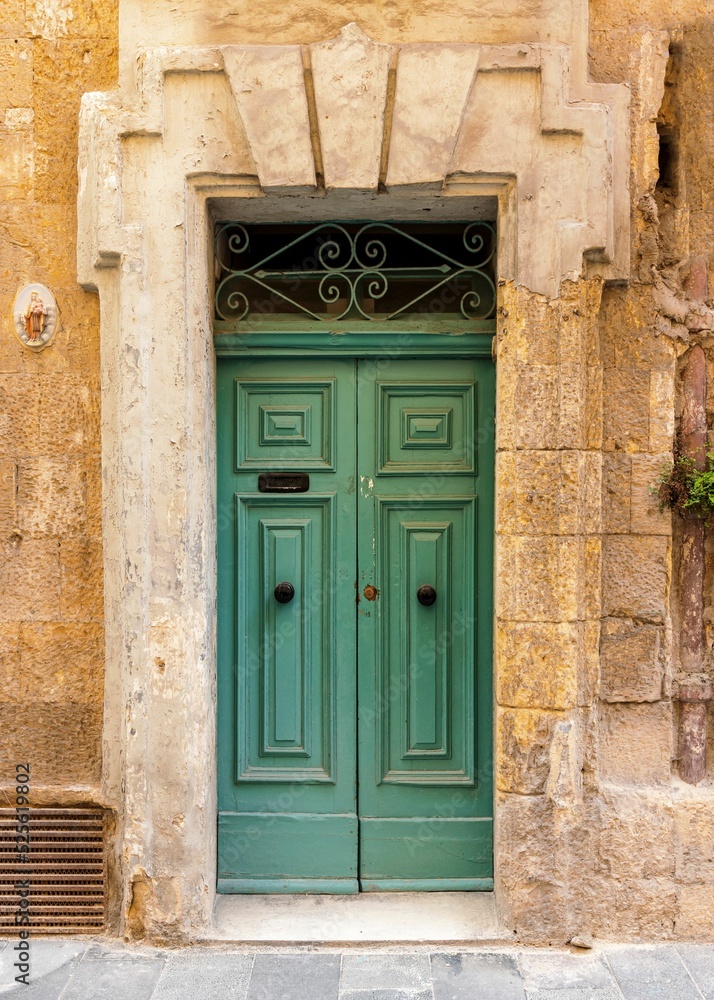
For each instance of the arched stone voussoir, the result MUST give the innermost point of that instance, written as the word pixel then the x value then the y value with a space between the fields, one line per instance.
pixel 268 87
pixel 350 75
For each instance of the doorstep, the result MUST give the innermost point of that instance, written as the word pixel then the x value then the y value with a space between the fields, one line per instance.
pixel 363 918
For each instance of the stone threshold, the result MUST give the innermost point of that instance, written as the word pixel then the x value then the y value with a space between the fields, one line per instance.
pixel 444 918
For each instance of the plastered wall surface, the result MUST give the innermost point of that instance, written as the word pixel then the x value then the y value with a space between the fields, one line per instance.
pixel 51 602
pixel 596 833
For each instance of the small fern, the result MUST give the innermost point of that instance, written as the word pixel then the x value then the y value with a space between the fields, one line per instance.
pixel 685 489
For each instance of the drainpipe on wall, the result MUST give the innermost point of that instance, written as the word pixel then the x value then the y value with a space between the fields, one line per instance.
pixel 694 687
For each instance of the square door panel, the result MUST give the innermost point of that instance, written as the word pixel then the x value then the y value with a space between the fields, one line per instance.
pixel 285 424
pixel 426 427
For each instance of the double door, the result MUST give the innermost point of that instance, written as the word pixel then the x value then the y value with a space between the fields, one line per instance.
pixel 355 527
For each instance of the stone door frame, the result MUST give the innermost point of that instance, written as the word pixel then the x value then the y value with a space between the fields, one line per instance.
pixel 257 133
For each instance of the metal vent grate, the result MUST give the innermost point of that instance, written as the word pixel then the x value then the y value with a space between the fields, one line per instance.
pixel 66 871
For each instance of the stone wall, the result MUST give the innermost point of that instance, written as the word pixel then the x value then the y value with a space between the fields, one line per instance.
pixel 51 605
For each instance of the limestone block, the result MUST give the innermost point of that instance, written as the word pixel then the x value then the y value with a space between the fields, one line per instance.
pixel 8 517
pixel 695 913
pixel 16 164
pixel 592 418
pixel 19 415
pixel 44 253
pixel 636 834
pixel 63 71
pixel 56 662
pixel 12 19
pixel 10 678
pixel 538 664
pixel 527 847
pixel 426 118
pixel 662 390
pixel 543 665
pixel 269 90
pixel 29 579
pixel 70 414
pixel 506 506
pixel 201 128
pixel 540 853
pixel 51 496
pixel 508 423
pixel 62 740
pixel 81 579
pixel 537 400
pixel 523 738
pixel 534 322
pixel 694 836
pixel 62 18
pixel 636 743
pixel 616 490
pixel 626 409
pixel 631 661
pixel 635 575
pixel 556 492
pixel 350 78
pixel 15 71
pixel 547 578
pixel 634 909
pixel 645 515
pixel 11 349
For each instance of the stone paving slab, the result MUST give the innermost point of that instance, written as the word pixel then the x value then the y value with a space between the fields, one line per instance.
pixel 204 974
pixel 466 976
pixel 544 970
pixel 652 974
pixel 699 959
pixel 76 970
pixel 575 994
pixel 131 978
pixel 386 972
pixel 295 977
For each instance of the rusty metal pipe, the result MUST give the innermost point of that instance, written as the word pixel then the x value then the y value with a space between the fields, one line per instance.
pixel 694 690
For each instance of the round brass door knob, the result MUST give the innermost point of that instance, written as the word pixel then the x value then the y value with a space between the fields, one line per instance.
pixel 284 593
pixel 426 595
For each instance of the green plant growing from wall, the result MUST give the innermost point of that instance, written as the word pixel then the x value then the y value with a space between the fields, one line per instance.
pixel 685 489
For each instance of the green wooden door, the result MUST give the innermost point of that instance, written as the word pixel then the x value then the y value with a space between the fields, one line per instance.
pixel 425 521
pixel 400 469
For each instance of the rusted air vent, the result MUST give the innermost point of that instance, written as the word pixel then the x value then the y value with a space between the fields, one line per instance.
pixel 65 870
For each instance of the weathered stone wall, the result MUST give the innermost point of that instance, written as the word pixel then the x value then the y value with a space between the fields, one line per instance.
pixel 51 613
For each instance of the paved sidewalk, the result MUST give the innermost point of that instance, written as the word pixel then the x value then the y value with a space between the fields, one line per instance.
pixel 78 970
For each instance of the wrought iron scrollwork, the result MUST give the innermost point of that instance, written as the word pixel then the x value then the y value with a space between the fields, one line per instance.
pixel 375 272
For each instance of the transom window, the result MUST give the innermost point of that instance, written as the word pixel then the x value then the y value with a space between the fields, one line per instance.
pixel 351 275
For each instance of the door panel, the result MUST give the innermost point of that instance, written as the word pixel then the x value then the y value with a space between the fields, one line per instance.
pixel 287 760
pixel 425 461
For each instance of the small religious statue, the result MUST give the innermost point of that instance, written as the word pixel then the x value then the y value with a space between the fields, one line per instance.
pixel 35 316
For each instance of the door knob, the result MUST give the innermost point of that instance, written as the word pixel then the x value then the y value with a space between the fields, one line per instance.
pixel 426 595
pixel 284 593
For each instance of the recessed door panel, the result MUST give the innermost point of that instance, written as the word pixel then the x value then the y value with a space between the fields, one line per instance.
pixel 285 728
pixel 425 650
pixel 425 427
pixel 285 423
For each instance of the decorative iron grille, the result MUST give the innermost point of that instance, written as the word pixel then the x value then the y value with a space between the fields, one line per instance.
pixel 354 274
pixel 65 871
